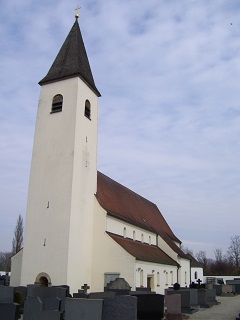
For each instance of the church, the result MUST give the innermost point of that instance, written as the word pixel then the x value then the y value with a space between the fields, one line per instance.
pixel 81 226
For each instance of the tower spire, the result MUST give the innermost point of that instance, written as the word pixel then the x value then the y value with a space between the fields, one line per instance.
pixel 72 61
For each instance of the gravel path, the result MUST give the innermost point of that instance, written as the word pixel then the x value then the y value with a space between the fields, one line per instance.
pixel 229 309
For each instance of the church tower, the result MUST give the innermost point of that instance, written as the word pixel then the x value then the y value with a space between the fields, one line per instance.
pixel 63 179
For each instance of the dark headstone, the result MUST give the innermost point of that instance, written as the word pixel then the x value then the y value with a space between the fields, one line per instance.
pixel 32 305
pixel 9 311
pixel 23 293
pixel 101 295
pixel 119 308
pixel 80 295
pixel 150 306
pixel 119 284
pixel 65 287
pixel 47 315
pixel 45 292
pixel 2 282
pixel 236 284
pixel 218 288
pixel 119 292
pixel 52 303
pixel 30 288
pixel 6 294
pixel 189 299
pixel 84 309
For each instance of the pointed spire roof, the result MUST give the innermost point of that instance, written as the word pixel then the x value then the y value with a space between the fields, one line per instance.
pixel 71 61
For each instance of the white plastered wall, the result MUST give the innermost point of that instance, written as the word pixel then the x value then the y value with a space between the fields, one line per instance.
pixel 16 267
pixel 58 229
pixel 184 272
pixel 162 276
pixel 196 273
pixel 108 255
pixel 130 231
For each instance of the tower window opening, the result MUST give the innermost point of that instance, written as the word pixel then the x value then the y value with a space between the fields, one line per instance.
pixel 57 103
pixel 87 112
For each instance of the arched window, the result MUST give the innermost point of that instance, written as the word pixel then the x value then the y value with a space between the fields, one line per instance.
pixel 57 103
pixel 87 111
pixel 150 241
pixel 185 277
pixel 141 278
pixel 134 235
pixel 124 232
pixel 142 237
pixel 158 279
pixel 195 275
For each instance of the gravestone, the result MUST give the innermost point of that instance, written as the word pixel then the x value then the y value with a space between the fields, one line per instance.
pixel 173 304
pixel 47 315
pixel 6 294
pixel 119 284
pixel 52 303
pixel 23 292
pixel 65 287
pixel 84 309
pixel 30 288
pixel 218 288
pixel 206 297
pixel 9 311
pixel 236 284
pixel 150 306
pixel 101 295
pixel 80 295
pixel 45 292
pixel 119 308
pixel 85 288
pixel 227 290
pixel 189 299
pixel 32 305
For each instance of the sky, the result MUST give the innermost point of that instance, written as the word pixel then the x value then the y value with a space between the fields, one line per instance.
pixel 169 116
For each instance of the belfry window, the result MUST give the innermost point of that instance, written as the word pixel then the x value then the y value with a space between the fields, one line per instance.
pixel 87 111
pixel 57 103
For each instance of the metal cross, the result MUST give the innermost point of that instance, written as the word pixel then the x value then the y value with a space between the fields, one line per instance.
pixel 77 8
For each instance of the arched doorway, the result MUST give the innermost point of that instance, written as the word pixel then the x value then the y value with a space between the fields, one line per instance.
pixel 43 279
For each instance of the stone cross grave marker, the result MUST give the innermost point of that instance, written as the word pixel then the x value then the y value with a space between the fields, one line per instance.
pixel 85 288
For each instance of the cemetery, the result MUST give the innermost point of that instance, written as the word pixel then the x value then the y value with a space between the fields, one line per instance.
pixel 116 302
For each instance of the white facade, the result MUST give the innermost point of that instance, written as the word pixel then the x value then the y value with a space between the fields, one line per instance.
pixel 62 184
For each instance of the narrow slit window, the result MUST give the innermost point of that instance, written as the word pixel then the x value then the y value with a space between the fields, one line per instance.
pixel 57 103
pixel 87 112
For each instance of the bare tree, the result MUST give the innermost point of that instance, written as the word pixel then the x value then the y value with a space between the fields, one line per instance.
pixel 187 250
pixel 5 261
pixel 218 255
pixel 234 251
pixel 17 241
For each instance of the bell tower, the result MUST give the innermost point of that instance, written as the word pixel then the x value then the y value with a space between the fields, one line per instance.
pixel 63 178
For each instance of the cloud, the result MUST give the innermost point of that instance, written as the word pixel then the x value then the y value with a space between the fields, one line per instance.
pixel 169 112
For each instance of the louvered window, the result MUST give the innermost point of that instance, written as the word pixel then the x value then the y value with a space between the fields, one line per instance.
pixel 87 112
pixel 57 103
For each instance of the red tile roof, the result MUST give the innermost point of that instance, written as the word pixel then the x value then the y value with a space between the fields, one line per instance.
pixel 143 251
pixel 124 204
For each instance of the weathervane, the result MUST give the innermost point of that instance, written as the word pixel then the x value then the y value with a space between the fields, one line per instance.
pixel 77 8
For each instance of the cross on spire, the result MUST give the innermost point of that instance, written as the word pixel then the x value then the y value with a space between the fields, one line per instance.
pixel 76 9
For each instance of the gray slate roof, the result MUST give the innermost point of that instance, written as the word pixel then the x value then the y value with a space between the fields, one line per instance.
pixel 71 61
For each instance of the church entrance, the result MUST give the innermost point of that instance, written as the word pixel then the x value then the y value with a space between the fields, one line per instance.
pixel 43 279
pixel 150 282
